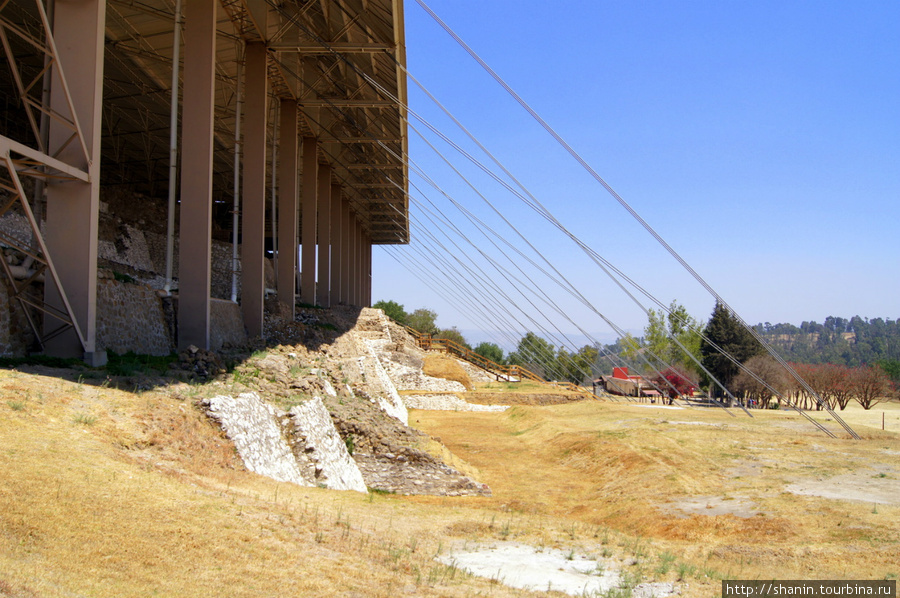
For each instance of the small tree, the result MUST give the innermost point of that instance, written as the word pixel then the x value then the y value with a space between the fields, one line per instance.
pixel 454 335
pixel 393 310
pixel 675 382
pixel 656 335
pixel 490 351
pixel 869 385
pixel 423 320
pixel 770 372
pixel 666 330
pixel 575 367
pixel 727 332
pixel 891 367
pixel 536 354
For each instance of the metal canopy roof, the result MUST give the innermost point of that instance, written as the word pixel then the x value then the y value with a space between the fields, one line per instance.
pixel 339 59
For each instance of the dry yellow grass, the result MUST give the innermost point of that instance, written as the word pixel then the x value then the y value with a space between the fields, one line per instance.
pixel 639 470
pixel 109 493
pixel 441 365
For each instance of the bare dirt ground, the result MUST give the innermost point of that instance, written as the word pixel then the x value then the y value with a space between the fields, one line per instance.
pixel 737 497
pixel 107 492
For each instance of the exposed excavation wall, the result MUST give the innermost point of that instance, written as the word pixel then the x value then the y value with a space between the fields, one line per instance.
pixel 131 315
pixel 130 318
pixel 302 447
pixel 333 464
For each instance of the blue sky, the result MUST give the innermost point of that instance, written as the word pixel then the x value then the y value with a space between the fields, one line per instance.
pixel 760 139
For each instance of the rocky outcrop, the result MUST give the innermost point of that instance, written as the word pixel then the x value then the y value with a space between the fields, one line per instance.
pixel 376 377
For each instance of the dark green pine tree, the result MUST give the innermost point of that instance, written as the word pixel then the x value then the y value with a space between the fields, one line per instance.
pixel 733 338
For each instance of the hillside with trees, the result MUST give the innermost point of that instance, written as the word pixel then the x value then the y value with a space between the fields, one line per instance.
pixel 850 342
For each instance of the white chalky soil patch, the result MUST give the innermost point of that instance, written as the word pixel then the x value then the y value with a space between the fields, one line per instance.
pixel 866 485
pixel 544 569
pixel 529 568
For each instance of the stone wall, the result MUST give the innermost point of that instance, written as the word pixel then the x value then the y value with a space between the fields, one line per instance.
pixel 255 428
pixel 302 447
pixel 130 318
pixel 226 324
pixel 150 250
pixel 334 467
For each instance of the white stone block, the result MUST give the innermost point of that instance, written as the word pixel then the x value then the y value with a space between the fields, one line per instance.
pixel 252 425
pixel 335 468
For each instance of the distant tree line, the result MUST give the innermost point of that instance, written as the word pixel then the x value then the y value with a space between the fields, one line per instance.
pixel 835 385
pixel 842 360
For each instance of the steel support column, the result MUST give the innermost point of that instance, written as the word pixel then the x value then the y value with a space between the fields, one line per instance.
pixel 253 236
pixel 287 206
pixel 346 252
pixel 336 229
pixel 308 219
pixel 73 207
pixel 367 260
pixel 196 173
pixel 361 271
pixel 323 286
pixel 354 260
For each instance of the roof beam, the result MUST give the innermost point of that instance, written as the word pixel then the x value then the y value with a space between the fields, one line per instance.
pixel 344 103
pixel 330 137
pixel 374 167
pixel 329 48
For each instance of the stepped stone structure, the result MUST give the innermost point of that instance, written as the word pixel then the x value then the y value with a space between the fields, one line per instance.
pixel 334 467
pixel 256 429
pixel 302 447
pixel 350 431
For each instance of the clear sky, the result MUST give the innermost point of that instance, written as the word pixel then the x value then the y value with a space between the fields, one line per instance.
pixel 760 139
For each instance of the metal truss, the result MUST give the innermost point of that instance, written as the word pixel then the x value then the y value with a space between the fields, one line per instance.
pixel 33 31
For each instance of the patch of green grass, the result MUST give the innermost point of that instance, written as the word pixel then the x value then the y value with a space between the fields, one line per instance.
pixel 380 491
pixel 350 443
pixel 666 561
pixel 684 570
pixel 85 419
pixel 16 405
pixel 515 413
pixel 132 363
pixel 526 430
pixel 617 593
pixel 308 305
